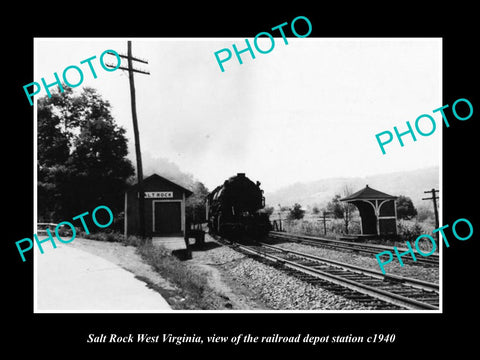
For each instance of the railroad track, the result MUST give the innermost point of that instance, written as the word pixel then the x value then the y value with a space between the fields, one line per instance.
pixel 366 286
pixel 349 245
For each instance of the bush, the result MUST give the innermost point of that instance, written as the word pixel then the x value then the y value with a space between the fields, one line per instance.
pixel 405 208
pixel 118 222
pixel 133 240
pixel 297 212
pixel 112 236
pixel 411 230
pixel 408 231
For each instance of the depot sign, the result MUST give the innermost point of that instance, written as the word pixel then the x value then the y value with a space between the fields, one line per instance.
pixel 159 194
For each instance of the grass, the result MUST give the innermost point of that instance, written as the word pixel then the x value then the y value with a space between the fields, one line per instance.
pixel 192 283
pixel 408 231
pixel 314 227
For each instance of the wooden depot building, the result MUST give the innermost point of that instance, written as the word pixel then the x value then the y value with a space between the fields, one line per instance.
pixel 164 208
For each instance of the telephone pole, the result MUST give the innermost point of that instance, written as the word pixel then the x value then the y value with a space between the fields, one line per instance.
pixel 138 153
pixel 325 219
pixel 434 198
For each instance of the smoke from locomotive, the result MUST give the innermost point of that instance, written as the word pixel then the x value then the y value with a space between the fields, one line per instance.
pixel 234 209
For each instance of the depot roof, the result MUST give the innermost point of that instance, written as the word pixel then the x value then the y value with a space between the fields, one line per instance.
pixel 157 178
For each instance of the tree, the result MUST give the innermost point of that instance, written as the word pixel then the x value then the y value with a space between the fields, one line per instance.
pixel 315 210
pixel 336 207
pixel 296 213
pixel 342 210
pixel 195 204
pixel 81 155
pixel 348 208
pixel 52 154
pixel 405 208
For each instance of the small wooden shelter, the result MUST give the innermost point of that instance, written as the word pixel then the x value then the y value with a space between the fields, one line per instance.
pixel 378 211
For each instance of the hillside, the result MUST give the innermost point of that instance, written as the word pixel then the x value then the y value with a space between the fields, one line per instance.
pixel 409 183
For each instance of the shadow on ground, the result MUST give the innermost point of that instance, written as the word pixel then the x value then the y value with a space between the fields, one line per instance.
pixel 184 254
pixel 204 247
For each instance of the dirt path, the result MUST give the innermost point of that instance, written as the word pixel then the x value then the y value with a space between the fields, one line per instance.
pixel 236 296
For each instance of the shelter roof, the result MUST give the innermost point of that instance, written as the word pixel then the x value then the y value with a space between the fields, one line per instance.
pixel 368 193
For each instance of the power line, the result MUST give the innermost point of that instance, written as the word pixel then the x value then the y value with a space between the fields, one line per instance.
pixel 132 57
pixel 131 70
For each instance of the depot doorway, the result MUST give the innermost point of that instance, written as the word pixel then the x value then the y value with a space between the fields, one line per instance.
pixel 167 217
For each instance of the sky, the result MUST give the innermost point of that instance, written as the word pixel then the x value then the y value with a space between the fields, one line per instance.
pixel 305 111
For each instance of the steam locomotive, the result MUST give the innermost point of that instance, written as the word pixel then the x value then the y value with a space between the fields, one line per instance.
pixel 235 209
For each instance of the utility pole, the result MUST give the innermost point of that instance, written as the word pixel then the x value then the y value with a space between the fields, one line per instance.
pixel 434 198
pixel 324 218
pixel 280 216
pixel 138 153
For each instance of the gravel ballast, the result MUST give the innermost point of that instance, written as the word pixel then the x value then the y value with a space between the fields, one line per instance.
pixel 425 273
pixel 275 288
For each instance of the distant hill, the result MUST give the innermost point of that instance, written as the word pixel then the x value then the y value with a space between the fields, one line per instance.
pixel 409 183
